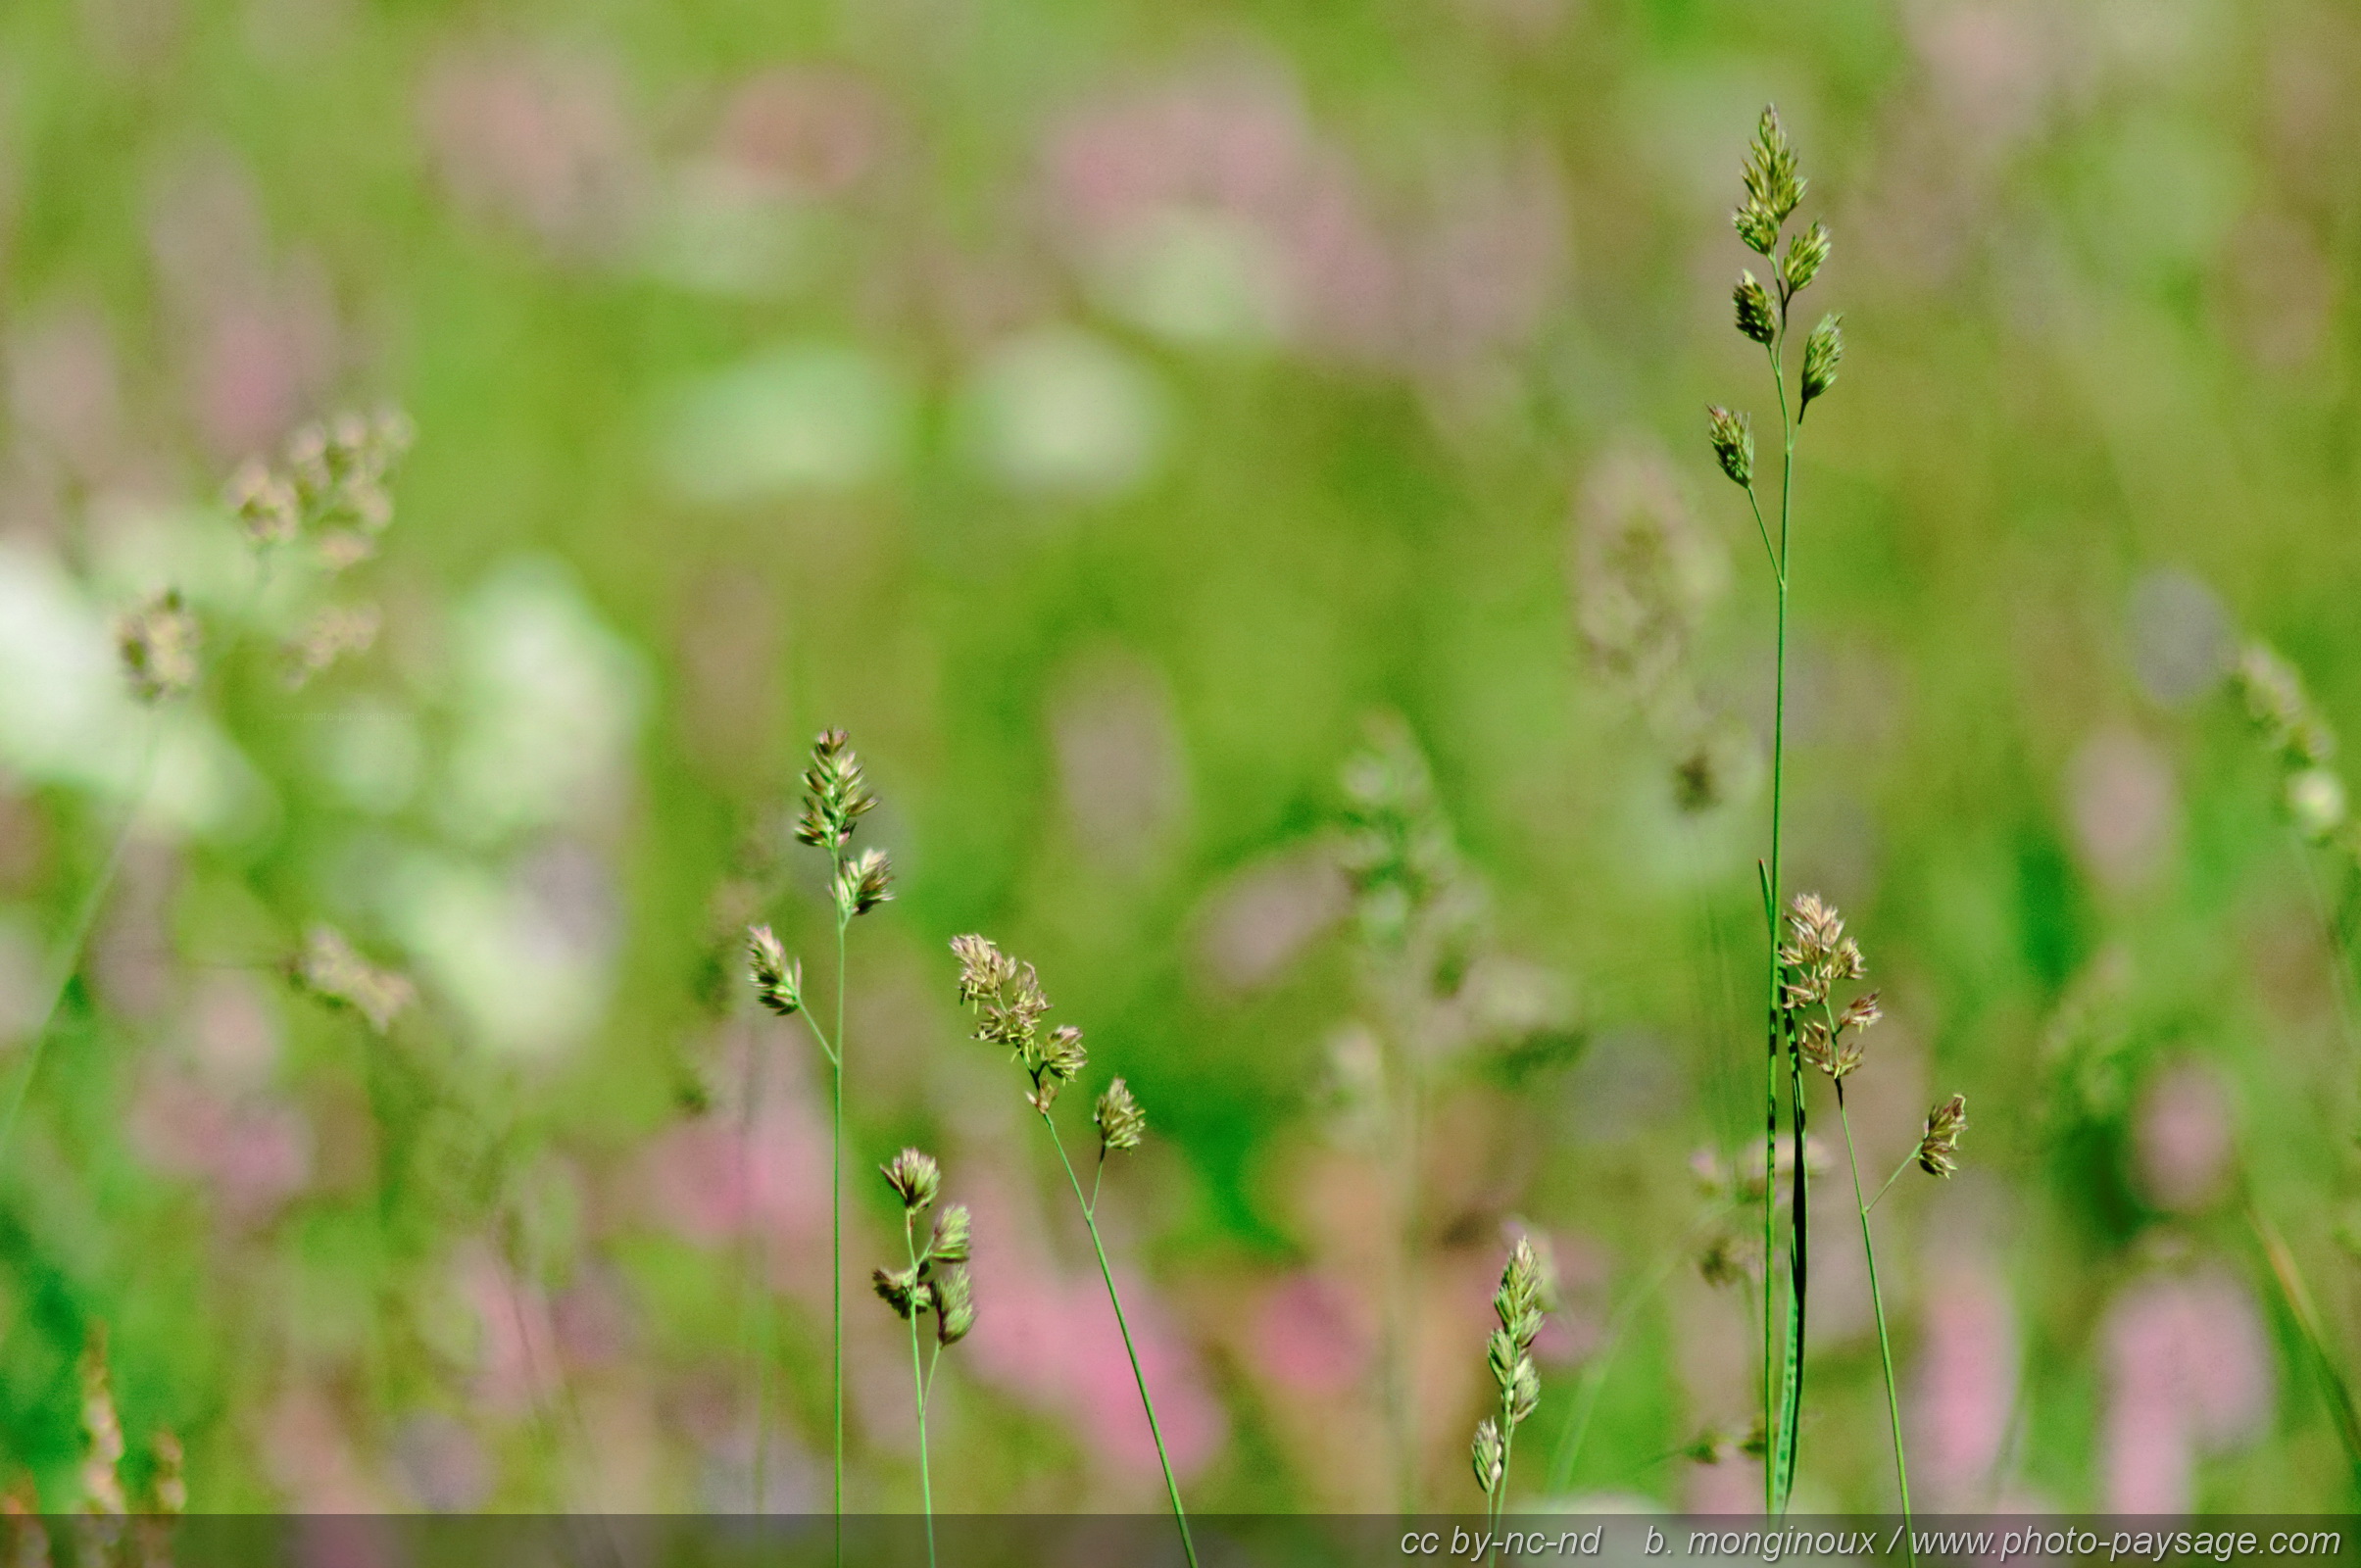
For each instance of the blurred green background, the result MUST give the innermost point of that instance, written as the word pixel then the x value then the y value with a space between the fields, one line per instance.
pixel 1106 413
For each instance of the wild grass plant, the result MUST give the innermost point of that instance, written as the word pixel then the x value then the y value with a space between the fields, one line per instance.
pixel 933 1280
pixel 1805 1026
pixel 1226 366
pixel 1519 1305
pixel 836 797
pixel 1008 1003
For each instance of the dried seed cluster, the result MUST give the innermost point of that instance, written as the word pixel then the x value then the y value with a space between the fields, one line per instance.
pixel 778 981
pixel 159 643
pixel 332 480
pixel 1938 1145
pixel 1761 311
pixel 333 969
pixel 1009 1004
pixel 936 1280
pixel 1817 957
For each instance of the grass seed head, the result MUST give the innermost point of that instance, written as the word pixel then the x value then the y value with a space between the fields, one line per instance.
pixel 170 1485
pixel 1774 188
pixel 102 1433
pixel 955 1306
pixel 953 1240
pixel 864 882
pixel 1807 252
pixel 1487 1456
pixel 836 794
pixel 2316 803
pixel 1938 1145
pixel 915 1177
pixel 1823 352
pixel 266 504
pixel 330 968
pixel 1121 1121
pixel 1733 438
pixel 899 1288
pixel 159 643
pixel 1757 317
pixel 1818 955
pixel 778 981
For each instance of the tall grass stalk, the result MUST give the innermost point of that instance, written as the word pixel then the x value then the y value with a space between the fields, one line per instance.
pixel 918 1380
pixel 836 797
pixel 1774 189
pixel 1114 1299
pixel 1009 1004
pixel 935 1280
pixel 2315 801
pixel 1877 1303
pixel 1519 1305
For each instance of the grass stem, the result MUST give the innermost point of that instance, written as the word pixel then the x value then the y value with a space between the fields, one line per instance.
pixel 1884 1342
pixel 68 961
pixel 1180 1517
pixel 926 1490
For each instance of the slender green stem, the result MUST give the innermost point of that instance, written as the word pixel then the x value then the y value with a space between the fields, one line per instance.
pixel 1884 1342
pixel 68 961
pixel 2297 1298
pixel 1500 1495
pixel 1180 1516
pixel 1908 1161
pixel 757 1265
pixel 836 1214
pixel 1779 1473
pixel 926 1489
pixel 1770 1180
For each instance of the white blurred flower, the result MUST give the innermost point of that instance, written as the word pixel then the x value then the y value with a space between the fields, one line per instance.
pixel 67 715
pixel 523 975
pixel 1194 274
pixel 801 417
pixel 549 706
pixel 1061 411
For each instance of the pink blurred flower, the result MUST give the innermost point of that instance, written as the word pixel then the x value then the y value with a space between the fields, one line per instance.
pixel 1048 1337
pixel 63 387
pixel 1485 273
pixel 1963 1394
pixel 1123 773
pixel 535 136
pixel 1235 144
pixel 1312 1334
pixel 1261 919
pixel 2182 1138
pixel 517 1352
pixel 2188 1371
pixel 352 1538
pixel 797 132
pixel 697 1178
pixel 253 1154
pixel 258 337
pixel 2125 806
pixel 309 1454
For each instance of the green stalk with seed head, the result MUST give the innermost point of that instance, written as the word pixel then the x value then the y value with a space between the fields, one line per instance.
pixel 1519 1305
pixel 1009 1004
pixel 1774 189
pixel 934 1281
pixel 836 797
